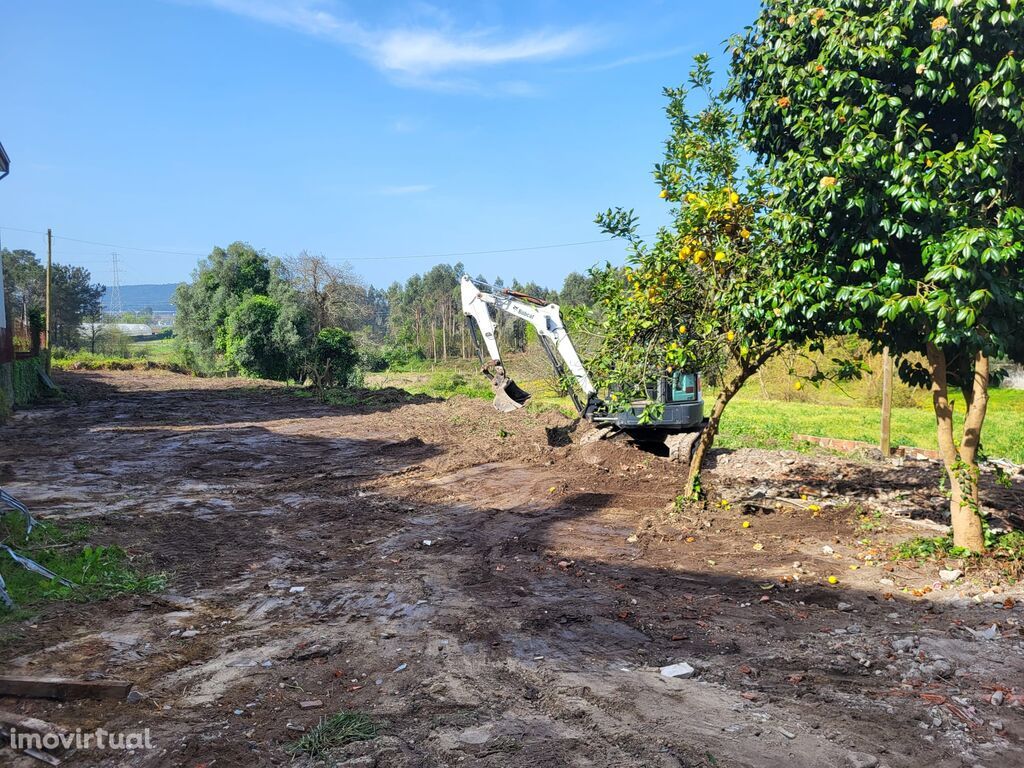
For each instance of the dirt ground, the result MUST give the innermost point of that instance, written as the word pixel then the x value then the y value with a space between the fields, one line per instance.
pixel 494 593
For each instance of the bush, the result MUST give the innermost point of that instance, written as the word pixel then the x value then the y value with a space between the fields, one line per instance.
pixel 249 339
pixel 333 359
pixel 399 355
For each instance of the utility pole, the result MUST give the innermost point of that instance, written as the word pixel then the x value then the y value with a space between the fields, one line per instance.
pixel 886 401
pixel 49 283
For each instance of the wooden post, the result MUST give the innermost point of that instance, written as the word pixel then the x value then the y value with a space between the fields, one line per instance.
pixel 886 401
pixel 49 280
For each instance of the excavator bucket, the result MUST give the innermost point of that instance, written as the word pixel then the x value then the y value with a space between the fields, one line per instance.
pixel 508 396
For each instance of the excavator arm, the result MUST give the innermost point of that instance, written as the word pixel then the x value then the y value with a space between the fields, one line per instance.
pixel 547 321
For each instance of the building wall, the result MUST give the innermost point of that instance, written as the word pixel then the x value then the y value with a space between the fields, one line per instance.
pixel 6 356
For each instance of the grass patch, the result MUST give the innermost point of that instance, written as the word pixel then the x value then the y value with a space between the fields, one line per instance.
pixel 333 732
pixel 750 421
pixel 89 361
pixel 162 350
pixel 1004 549
pixel 98 572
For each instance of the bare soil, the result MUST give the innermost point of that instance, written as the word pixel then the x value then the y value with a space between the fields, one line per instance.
pixel 494 593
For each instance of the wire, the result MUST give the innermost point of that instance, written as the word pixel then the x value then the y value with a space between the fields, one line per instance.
pixel 478 253
pixel 344 258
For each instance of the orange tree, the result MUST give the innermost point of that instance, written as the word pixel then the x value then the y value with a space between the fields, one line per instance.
pixel 892 131
pixel 700 296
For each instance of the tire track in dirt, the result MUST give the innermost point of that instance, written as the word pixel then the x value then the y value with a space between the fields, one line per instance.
pixel 555 581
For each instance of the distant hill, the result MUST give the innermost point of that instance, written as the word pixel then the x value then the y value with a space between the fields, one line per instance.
pixel 137 297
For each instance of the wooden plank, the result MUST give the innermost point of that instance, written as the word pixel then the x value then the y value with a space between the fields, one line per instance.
pixel 63 689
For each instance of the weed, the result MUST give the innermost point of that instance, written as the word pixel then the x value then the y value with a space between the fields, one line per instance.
pixel 333 732
pixel 870 522
pixel 98 572
pixel 1006 549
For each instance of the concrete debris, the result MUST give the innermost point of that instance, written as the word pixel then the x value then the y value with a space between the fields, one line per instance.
pixel 681 670
pixel 311 704
pixel 985 634
pixel 296 590
pixel 861 760
pixel 904 643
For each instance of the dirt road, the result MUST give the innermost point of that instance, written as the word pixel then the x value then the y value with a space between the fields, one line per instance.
pixel 494 594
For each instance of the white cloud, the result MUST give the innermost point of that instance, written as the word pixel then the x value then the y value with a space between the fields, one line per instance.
pixel 407 189
pixel 637 59
pixel 414 55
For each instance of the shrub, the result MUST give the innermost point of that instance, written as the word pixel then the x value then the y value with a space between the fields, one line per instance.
pixel 332 361
pixel 249 338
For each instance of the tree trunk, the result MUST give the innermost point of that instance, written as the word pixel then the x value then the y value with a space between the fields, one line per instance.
pixel 707 438
pixel 444 332
pixel 961 466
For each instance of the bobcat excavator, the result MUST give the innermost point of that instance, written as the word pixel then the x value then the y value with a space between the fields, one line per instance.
pixel 674 434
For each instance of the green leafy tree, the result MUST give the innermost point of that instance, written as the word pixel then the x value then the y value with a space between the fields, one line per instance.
pixel 221 284
pixel 73 299
pixel 332 359
pixel 250 338
pixel 577 290
pixel 892 133
pixel 700 297
pixel 24 283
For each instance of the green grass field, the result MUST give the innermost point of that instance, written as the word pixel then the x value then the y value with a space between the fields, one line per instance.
pixel 753 421
pixel 159 351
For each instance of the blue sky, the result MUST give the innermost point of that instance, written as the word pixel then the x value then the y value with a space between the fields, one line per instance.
pixel 359 130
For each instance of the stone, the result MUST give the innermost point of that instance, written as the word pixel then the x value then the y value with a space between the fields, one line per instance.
pixel 135 696
pixel 845 606
pixel 951 575
pixel 997 698
pixel 190 633
pixel 904 643
pixel 311 704
pixel 682 670
pixel 861 760
pixel 474 736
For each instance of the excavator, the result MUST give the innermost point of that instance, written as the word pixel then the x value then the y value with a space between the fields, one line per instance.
pixel 673 434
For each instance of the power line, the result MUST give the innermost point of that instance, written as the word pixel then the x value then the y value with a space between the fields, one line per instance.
pixel 488 252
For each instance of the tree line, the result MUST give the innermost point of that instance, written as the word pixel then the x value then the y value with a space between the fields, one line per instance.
pixel 74 298
pixel 248 312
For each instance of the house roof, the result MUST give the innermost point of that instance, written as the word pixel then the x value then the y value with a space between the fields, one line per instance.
pixel 5 162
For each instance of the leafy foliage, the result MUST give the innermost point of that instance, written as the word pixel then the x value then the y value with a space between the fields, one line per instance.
pixel 249 338
pixel 702 296
pixel 891 133
pixel 73 296
pixel 333 358
pixel 891 130
pixel 240 313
